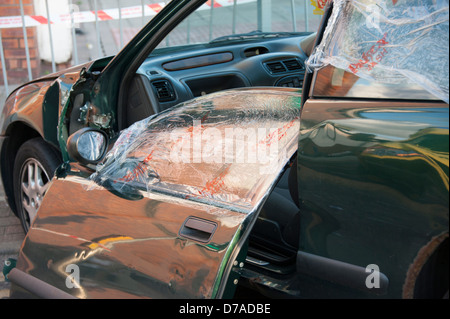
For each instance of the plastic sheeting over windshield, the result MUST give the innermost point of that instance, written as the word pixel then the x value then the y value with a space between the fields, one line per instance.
pixel 225 149
pixel 389 41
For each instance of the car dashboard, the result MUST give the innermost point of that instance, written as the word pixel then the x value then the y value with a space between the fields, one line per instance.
pixel 173 75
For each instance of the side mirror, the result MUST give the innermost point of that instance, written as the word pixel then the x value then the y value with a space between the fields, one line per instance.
pixel 87 145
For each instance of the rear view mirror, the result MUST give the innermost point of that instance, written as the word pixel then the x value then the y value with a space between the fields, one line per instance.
pixel 88 145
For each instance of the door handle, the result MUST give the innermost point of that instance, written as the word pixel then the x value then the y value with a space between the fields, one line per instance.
pixel 198 229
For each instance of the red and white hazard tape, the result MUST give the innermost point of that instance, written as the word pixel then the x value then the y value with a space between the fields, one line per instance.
pixel 102 15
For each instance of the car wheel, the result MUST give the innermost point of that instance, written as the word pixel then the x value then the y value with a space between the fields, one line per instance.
pixel 432 281
pixel 34 167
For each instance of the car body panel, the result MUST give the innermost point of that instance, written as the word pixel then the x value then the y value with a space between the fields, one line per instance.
pixel 24 105
pixel 33 110
pixel 39 104
pixel 128 235
pixel 373 149
pixel 131 252
pixel 393 157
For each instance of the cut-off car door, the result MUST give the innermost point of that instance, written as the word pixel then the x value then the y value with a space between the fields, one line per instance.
pixel 168 211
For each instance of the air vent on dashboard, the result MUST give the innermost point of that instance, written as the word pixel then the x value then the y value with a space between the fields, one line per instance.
pixel 292 65
pixel 275 67
pixel 283 66
pixel 163 90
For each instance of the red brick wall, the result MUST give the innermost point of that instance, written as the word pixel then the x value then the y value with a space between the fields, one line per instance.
pixel 14 44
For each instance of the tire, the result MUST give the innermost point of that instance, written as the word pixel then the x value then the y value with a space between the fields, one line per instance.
pixel 432 282
pixel 34 167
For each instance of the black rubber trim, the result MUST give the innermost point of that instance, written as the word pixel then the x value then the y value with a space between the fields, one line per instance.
pixel 338 272
pixel 36 286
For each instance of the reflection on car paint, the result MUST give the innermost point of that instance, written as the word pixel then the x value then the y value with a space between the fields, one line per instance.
pixel 392 151
pixel 131 247
pixel 25 103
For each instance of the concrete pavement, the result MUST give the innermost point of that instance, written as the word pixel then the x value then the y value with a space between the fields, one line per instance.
pixel 11 231
pixel 11 238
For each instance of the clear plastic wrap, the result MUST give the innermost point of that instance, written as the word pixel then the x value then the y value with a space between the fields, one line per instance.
pixel 224 149
pixel 389 41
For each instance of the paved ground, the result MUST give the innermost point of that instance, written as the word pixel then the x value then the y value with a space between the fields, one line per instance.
pixel 11 238
pixel 11 231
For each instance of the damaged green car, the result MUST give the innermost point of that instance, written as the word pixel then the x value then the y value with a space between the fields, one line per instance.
pixel 269 163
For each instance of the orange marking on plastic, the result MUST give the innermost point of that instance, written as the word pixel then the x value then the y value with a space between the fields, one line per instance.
pixel 214 186
pixel 368 58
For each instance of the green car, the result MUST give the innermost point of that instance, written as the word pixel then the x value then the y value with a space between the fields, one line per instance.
pixel 210 160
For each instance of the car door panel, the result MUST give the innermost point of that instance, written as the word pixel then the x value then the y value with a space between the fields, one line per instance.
pixel 151 226
pixel 126 248
pixel 393 157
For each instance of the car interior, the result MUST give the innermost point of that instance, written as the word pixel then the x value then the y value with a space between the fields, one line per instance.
pixel 171 76
pixel 175 74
